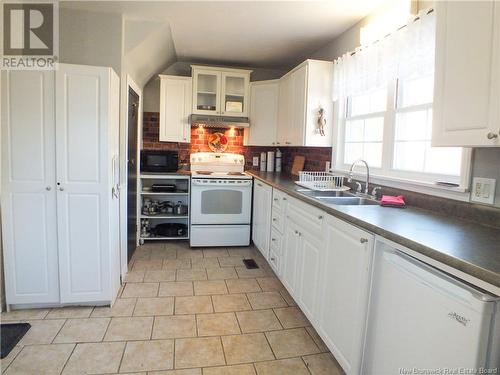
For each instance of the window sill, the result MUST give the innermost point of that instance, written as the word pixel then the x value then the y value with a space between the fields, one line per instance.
pixel 459 193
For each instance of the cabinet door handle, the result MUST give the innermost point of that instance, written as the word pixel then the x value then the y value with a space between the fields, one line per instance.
pixel 274 219
pixel 363 240
pixel 284 198
pixel 288 143
pixel 273 259
pixel 259 184
pixel 273 239
pixel 320 217
pixel 48 188
pixel 491 135
pixel 275 199
pixel 278 143
pixel 61 188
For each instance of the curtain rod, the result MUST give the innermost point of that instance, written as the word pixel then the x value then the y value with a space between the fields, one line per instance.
pixel 385 36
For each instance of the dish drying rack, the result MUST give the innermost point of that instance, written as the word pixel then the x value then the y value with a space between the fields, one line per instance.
pixel 321 181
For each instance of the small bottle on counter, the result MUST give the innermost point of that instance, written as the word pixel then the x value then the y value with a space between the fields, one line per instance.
pixel 270 161
pixel 262 161
pixel 278 160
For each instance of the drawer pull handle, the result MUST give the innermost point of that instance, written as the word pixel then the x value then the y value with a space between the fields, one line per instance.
pixel 284 198
pixel 491 135
pixel 363 240
pixel 273 259
pixel 320 217
pixel 273 239
pixel 274 219
pixel 275 199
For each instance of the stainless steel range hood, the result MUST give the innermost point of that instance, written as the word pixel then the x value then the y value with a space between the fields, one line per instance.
pixel 219 121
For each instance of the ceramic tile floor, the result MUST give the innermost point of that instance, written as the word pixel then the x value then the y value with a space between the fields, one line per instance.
pixel 180 312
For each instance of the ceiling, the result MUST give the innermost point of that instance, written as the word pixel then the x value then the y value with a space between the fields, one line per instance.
pixel 271 34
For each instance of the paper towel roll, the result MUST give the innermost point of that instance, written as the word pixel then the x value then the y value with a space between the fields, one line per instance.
pixel 262 161
pixel 270 161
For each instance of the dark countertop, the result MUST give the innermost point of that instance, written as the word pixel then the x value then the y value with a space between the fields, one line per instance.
pixel 466 246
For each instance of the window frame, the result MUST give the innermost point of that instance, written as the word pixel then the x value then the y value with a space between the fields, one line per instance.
pixel 386 174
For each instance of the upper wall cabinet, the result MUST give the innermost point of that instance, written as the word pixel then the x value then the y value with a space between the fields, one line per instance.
pixel 220 91
pixel 467 77
pixel 303 92
pixel 263 114
pixel 175 108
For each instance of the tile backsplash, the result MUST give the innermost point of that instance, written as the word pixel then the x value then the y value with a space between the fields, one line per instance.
pixel 316 157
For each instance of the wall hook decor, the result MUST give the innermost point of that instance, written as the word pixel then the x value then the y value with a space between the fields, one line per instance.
pixel 321 121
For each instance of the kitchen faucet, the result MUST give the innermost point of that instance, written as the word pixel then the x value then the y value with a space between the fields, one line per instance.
pixel 367 173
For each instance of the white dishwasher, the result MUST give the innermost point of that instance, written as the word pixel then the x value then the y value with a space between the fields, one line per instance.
pixel 423 321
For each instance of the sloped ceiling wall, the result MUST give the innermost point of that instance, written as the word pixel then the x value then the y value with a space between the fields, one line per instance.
pixel 147 49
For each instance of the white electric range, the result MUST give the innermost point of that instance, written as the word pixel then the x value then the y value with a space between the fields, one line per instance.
pixel 221 200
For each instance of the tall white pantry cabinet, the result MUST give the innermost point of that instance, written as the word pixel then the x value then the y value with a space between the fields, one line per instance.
pixel 60 211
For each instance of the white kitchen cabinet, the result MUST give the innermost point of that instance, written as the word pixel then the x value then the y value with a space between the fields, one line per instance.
pixel 263 114
pixel 285 103
pixel 220 91
pixel 303 91
pixel 235 93
pixel 344 285
pixel 290 257
pixel 59 187
pixel 466 109
pixel 175 108
pixel 28 187
pixel 308 222
pixel 261 220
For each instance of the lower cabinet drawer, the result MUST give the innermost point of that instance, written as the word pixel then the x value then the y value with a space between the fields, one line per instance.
pixel 274 261
pixel 277 220
pixel 309 218
pixel 275 243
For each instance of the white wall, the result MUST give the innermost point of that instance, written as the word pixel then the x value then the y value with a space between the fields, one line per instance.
pixel 90 38
pixel 349 40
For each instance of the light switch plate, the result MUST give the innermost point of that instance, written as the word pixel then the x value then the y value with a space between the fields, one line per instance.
pixel 255 161
pixel 483 190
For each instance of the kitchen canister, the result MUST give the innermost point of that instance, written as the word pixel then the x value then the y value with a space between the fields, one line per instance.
pixel 262 161
pixel 278 160
pixel 270 161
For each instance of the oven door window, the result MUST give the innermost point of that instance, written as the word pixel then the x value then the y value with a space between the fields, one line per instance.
pixel 221 202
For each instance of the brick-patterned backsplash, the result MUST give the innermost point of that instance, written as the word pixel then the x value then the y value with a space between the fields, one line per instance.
pixel 316 157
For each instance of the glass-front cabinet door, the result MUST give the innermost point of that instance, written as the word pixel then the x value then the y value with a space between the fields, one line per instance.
pixel 220 91
pixel 235 94
pixel 206 92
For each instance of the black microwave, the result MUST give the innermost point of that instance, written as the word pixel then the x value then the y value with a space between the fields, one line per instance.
pixel 159 161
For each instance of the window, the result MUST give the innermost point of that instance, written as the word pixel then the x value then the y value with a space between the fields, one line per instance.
pixel 384 96
pixel 412 139
pixel 364 127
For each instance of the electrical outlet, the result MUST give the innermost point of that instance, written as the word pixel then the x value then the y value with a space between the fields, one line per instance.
pixel 483 190
pixel 255 161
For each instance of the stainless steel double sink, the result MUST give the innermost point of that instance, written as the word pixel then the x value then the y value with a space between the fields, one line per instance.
pixel 339 198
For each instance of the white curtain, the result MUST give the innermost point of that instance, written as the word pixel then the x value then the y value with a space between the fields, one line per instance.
pixel 406 53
